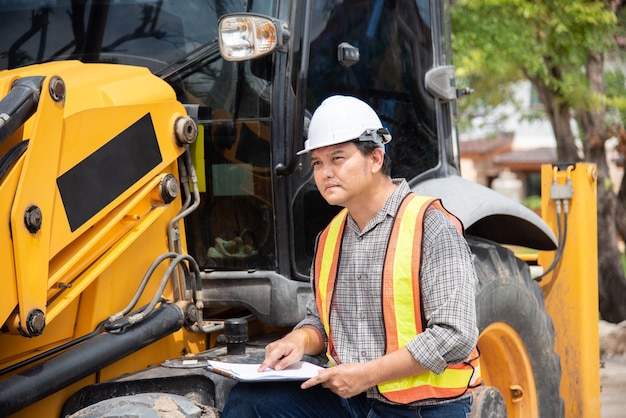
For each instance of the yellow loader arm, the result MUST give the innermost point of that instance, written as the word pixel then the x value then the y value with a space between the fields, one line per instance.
pixel 89 179
pixel 93 143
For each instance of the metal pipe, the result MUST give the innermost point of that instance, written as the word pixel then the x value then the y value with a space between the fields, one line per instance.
pixel 187 174
pixel 142 286
pixel 46 378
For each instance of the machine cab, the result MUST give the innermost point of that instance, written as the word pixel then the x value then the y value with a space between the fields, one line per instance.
pixel 254 230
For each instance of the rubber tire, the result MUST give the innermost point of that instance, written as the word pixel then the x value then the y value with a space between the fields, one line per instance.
pixel 487 402
pixel 507 293
pixel 148 405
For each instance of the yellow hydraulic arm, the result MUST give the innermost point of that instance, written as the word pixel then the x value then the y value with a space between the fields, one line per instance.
pixel 571 288
pixel 89 180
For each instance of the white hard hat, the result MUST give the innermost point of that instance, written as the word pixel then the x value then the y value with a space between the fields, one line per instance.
pixel 341 119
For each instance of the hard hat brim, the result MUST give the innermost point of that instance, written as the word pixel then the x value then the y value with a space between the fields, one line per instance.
pixel 380 136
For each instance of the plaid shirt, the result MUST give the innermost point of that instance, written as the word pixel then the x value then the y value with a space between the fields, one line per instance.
pixel 447 282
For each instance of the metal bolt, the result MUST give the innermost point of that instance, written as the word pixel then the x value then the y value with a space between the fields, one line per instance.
pixel 592 173
pixel 191 314
pixel 517 393
pixel 33 219
pixel 185 130
pixel 36 322
pixel 57 89
pixel 169 188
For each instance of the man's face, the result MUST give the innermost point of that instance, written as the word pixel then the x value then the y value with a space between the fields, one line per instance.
pixel 342 173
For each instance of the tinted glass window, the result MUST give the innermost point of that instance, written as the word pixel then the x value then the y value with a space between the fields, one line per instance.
pixel 234 224
pixel 149 33
pixel 395 46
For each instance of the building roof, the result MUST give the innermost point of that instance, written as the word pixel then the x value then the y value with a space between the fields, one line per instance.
pixel 499 152
pixel 528 159
pixel 486 147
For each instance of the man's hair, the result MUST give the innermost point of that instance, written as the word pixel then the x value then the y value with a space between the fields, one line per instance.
pixel 367 147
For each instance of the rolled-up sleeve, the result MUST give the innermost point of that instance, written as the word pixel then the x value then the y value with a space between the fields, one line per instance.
pixel 312 318
pixel 447 283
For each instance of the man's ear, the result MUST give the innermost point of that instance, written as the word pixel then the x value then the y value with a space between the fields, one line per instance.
pixel 378 157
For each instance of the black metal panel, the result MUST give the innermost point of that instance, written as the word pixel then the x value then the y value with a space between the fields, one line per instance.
pixel 96 181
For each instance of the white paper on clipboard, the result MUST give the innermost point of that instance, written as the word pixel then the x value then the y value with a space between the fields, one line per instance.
pixel 299 371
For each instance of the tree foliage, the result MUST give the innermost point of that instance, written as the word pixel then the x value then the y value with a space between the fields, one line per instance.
pixel 560 46
pixel 498 42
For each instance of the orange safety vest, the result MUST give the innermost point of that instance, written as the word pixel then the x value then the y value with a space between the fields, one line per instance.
pixel 400 300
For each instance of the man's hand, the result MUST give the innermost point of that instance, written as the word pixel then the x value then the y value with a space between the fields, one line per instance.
pixel 345 380
pixel 286 351
pixel 350 379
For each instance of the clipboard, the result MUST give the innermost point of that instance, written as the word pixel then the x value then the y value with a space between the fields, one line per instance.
pixel 299 371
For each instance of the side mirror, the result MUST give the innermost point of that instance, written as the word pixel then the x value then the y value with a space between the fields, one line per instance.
pixel 440 82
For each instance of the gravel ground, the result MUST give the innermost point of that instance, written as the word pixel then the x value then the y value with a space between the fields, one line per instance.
pixel 613 369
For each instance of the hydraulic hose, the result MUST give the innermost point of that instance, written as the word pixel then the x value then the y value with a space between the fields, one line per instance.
pixel 19 105
pixel 48 377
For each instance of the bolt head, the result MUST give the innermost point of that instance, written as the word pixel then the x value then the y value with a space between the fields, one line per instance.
pixel 33 219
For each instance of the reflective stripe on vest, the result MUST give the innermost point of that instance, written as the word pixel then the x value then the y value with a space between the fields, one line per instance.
pixel 400 300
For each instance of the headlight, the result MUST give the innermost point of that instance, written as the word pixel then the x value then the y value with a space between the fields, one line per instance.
pixel 247 36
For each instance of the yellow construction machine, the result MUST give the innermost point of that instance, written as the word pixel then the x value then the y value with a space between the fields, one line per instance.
pixel 154 214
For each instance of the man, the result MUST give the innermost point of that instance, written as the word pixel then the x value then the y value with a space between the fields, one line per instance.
pixel 393 282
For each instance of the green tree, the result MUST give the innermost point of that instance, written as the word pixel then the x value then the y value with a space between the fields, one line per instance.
pixel 560 46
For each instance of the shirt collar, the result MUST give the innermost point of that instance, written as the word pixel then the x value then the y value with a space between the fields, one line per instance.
pixel 390 208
